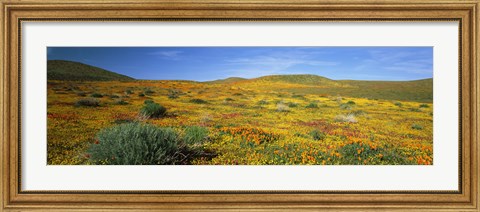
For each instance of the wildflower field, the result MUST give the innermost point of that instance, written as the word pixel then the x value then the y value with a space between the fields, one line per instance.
pixel 238 122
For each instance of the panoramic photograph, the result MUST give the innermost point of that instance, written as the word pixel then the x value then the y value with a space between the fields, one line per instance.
pixel 239 105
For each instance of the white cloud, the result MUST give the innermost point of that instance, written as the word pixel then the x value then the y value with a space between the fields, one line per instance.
pixel 174 55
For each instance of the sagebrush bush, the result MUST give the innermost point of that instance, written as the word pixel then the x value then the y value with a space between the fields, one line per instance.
pixel 350 118
pixel 136 144
pixel 424 106
pixel 114 96
pixel 262 102
pixel 81 93
pixel 417 127
pixel 351 102
pixel 345 106
pixel 121 102
pixel 198 101
pixel 90 102
pixel 148 91
pixel 96 95
pixel 173 93
pixel 292 104
pixel 153 110
pixel 281 107
pixel 312 105
pixel 317 135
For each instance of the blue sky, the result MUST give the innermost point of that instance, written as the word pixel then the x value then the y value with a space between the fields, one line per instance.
pixel 211 63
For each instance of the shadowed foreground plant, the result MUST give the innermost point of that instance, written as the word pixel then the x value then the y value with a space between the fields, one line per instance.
pixel 136 144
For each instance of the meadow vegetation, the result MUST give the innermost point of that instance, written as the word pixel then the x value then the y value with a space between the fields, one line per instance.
pixel 270 120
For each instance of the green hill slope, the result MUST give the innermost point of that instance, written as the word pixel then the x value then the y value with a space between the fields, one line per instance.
pixel 417 90
pixel 300 79
pixel 75 71
pixel 227 80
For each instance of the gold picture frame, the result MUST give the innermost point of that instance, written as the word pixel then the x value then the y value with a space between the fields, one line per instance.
pixel 14 12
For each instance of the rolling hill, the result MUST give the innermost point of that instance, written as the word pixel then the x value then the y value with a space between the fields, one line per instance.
pixel 75 71
pixel 416 90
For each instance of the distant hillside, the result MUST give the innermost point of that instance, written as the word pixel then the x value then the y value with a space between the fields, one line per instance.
pixel 228 80
pixel 75 71
pixel 417 90
pixel 301 79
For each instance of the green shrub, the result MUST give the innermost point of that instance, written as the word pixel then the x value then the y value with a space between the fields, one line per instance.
pixel 351 102
pixel 136 144
pixel 148 91
pixel 399 104
pixel 96 95
pixel 81 93
pixel 292 104
pixel 198 101
pixel 121 102
pixel 87 102
pixel 141 94
pixel 262 102
pixel 415 110
pixel 350 118
pixel 229 99
pixel 153 110
pixel 317 135
pixel 129 91
pixel 345 106
pixel 424 106
pixel 312 105
pixel 174 93
pixel 417 127
pixel 114 96
pixel 281 107
pixel 195 135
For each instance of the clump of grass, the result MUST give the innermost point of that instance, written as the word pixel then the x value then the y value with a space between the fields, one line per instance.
pixel 198 101
pixel 350 118
pixel 90 102
pixel 424 106
pixel 281 107
pixel 129 91
pixel 351 102
pixel 136 144
pixel 114 96
pixel 292 104
pixel 121 102
pixel 153 110
pixel 141 95
pixel 81 93
pixel 229 99
pixel 262 102
pixel 312 105
pixel 345 106
pixel 317 135
pixel 417 127
pixel 173 93
pixel 359 112
pixel 398 104
pixel 298 96
pixel 148 91
pixel 415 110
pixel 96 95
pixel 195 136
